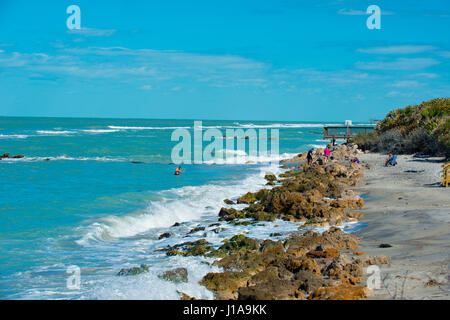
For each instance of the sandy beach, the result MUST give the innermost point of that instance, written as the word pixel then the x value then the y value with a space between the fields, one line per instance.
pixel 409 210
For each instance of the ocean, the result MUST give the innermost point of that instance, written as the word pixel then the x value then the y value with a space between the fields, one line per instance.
pixel 97 193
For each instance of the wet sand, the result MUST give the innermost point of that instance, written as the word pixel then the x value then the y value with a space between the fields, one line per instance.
pixel 408 209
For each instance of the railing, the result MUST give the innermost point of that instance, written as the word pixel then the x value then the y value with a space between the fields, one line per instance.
pixel 446 174
pixel 345 132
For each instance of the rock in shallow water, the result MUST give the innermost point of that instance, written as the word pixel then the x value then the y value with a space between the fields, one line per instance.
pixel 164 235
pixel 196 229
pixel 270 177
pixel 228 201
pixel 133 271
pixel 176 275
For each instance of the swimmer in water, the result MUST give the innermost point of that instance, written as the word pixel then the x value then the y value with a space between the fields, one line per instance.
pixel 178 171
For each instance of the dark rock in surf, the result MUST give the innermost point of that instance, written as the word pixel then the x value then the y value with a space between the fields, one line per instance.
pixel 214 224
pixel 165 235
pixel 230 214
pixel 270 177
pixel 176 275
pixel 196 229
pixel 247 198
pixel 133 271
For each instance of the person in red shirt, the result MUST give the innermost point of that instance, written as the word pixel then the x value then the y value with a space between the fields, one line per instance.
pixel 326 153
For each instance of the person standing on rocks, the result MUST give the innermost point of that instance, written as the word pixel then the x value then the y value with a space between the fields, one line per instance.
pixel 327 153
pixel 309 157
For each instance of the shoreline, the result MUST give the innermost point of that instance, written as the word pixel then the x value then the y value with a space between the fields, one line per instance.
pixel 308 264
pixel 348 278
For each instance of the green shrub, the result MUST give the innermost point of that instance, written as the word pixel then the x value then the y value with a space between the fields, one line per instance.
pixel 422 129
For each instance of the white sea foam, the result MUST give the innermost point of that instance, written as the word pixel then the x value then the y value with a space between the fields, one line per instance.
pixel 74 132
pixel 55 132
pixel 281 125
pixel 151 286
pixel 100 130
pixel 317 146
pixel 146 128
pixel 184 204
pixel 241 157
pixel 63 157
pixel 13 136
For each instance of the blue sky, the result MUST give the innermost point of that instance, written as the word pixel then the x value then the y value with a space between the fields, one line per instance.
pixel 238 60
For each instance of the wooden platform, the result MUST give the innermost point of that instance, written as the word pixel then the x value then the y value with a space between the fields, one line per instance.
pixel 344 132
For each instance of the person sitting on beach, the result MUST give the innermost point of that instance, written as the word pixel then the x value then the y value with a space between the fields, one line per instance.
pixel 326 153
pixel 388 159
pixel 309 157
pixel 392 161
pixel 355 160
pixel 178 171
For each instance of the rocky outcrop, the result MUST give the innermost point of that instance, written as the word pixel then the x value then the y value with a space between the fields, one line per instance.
pixel 317 195
pixel 310 265
pixel 342 292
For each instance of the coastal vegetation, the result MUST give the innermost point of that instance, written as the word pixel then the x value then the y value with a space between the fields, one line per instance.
pixel 421 129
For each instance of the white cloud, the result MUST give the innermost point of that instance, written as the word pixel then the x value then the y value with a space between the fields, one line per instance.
pixel 398 94
pixel 146 87
pixel 398 64
pixel 445 54
pixel 426 75
pixel 406 84
pixel 353 12
pixel 174 57
pixel 142 64
pixel 405 49
pixel 17 59
pixel 90 32
pixel 335 77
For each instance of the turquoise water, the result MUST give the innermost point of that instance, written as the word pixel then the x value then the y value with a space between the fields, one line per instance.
pixel 77 198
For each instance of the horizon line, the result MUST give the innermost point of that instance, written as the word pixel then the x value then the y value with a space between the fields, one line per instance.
pixel 190 119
